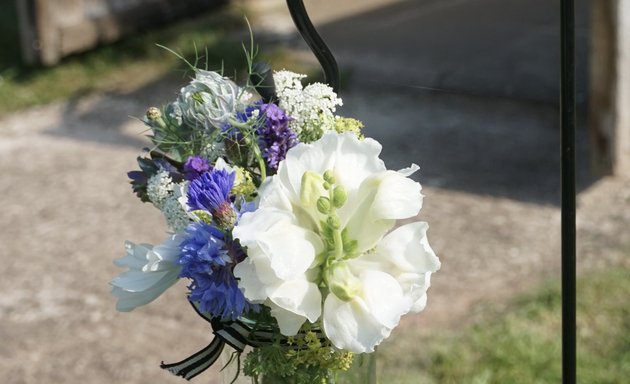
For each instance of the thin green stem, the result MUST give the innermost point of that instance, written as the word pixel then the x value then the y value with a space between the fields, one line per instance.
pixel 338 244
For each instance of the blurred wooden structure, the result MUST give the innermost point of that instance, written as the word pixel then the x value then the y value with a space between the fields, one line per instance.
pixel 52 29
pixel 609 98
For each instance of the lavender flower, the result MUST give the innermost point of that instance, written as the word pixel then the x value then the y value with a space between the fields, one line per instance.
pixel 275 136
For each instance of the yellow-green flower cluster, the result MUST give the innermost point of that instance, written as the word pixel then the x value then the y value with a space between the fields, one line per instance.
pixel 243 184
pixel 309 351
pixel 348 124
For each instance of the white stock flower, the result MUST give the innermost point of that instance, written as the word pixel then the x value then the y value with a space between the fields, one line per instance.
pixel 152 270
pixel 323 231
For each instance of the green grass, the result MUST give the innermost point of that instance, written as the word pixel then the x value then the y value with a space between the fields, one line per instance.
pixel 521 343
pixel 124 65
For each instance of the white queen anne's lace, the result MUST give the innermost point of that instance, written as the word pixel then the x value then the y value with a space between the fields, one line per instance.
pixel 312 108
pixel 159 188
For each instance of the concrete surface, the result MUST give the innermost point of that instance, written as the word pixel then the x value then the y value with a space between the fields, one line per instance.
pixel 489 166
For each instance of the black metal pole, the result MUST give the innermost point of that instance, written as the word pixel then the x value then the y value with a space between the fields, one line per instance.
pixel 568 191
pixel 315 42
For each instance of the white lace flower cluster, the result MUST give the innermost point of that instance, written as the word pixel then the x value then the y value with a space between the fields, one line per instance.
pixel 312 107
pixel 166 196
pixel 160 188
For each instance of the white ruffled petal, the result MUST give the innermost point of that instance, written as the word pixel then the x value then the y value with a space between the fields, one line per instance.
pixel 359 219
pixel 357 160
pixel 419 292
pixel 408 248
pixel 397 197
pixel 250 281
pixel 350 325
pixel 273 194
pixel 300 297
pixel 350 159
pixel 410 170
pixel 291 249
pixel 384 297
pixel 288 322
pixel 272 238
pixel 405 253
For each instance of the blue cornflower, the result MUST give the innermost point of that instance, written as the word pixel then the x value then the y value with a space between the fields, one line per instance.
pixel 208 258
pixel 195 166
pixel 275 136
pixel 210 192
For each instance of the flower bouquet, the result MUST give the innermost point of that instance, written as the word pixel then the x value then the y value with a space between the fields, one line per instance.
pixel 283 220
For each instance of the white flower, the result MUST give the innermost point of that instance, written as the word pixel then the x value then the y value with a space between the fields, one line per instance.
pixel 152 270
pixel 323 232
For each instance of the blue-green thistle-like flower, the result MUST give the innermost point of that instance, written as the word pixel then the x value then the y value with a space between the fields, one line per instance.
pixel 209 101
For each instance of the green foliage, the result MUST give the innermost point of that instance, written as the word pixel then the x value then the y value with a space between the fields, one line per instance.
pixel 302 359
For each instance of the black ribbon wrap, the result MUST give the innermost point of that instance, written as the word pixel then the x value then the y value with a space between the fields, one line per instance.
pixel 235 333
pixel 238 334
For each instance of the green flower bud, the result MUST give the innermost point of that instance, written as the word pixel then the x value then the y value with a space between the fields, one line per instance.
pixel 341 282
pixel 333 222
pixel 329 177
pixel 339 196
pixel 323 205
pixel 154 118
pixel 153 113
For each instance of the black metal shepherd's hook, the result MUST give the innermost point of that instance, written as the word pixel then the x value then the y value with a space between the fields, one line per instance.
pixel 567 128
pixel 315 42
pixel 261 75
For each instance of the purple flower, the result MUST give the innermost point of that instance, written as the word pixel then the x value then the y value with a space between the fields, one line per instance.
pixel 275 136
pixel 210 192
pixel 195 166
pixel 208 258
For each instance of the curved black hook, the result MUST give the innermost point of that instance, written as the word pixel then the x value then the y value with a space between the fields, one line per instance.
pixel 315 42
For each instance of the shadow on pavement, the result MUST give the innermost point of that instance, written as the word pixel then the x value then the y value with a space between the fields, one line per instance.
pixel 467 89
